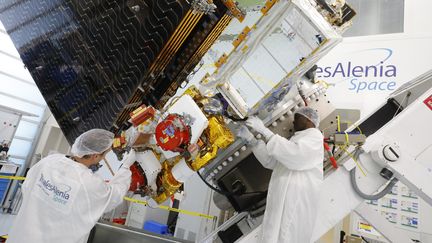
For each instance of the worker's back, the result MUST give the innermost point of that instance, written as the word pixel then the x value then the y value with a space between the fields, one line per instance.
pixel 60 202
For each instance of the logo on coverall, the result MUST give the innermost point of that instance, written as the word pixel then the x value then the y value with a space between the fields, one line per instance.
pixel 58 192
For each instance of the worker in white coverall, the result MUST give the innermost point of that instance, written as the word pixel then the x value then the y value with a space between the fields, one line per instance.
pixel 297 165
pixel 63 198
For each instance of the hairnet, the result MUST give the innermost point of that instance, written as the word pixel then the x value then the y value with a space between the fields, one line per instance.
pixel 310 114
pixel 95 141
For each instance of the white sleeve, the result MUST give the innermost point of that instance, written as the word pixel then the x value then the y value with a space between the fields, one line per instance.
pixel 262 155
pixel 120 184
pixel 296 155
pixel 105 196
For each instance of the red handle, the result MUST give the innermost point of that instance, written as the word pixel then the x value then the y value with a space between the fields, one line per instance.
pixel 332 159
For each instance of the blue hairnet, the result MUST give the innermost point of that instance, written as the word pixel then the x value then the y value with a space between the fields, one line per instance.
pixel 95 141
pixel 310 114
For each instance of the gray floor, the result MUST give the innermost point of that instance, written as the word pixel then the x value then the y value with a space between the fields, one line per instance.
pixel 6 221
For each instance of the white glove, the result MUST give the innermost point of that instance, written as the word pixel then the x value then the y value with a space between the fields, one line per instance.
pixel 257 125
pixel 246 136
pixel 129 158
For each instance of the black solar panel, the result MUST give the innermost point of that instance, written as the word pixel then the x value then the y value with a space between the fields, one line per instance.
pixel 88 57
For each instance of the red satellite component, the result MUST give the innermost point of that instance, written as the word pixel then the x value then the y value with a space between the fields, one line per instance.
pixel 172 134
pixel 142 114
pixel 138 178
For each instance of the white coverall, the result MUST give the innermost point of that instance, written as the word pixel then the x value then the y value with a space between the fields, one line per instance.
pixel 62 201
pixel 293 191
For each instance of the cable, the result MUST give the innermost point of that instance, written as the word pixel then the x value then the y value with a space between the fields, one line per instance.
pixel 376 196
pixel 354 158
pixel 400 105
pixel 358 128
pixel 227 193
pixel 364 239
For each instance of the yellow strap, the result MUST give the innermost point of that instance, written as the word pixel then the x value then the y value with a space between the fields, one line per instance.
pixel 4 236
pixel 347 138
pixel 338 122
pixel 352 157
pixel 135 201
pixel 171 209
pixel 359 130
pixel 12 177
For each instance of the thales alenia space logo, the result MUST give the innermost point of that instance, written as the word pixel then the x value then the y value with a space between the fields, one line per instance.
pixel 365 70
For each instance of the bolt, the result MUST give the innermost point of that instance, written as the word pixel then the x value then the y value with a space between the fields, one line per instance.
pixel 136 8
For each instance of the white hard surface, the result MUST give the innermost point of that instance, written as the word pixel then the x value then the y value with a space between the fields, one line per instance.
pixel 150 165
pixel 181 171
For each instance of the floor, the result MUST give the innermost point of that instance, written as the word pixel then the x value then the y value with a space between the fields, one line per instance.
pixel 6 221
